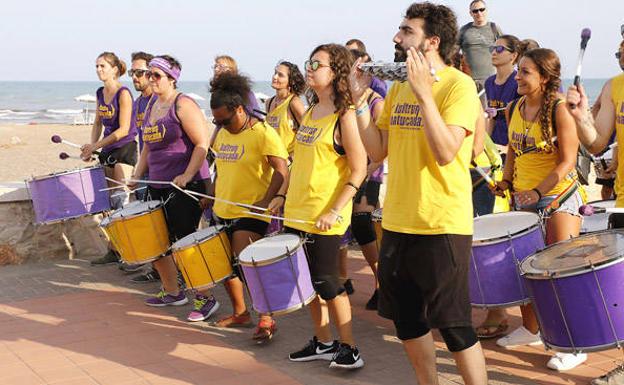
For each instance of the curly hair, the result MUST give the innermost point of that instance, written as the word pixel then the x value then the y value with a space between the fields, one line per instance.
pixel 549 68
pixel 526 45
pixel 296 82
pixel 230 90
pixel 340 62
pixel 440 21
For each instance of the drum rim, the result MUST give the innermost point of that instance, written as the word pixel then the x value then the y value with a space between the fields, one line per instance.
pixel 572 272
pixel 61 220
pixel 48 176
pixel 160 205
pixel 273 259
pixel 502 305
pixel 491 241
pixel 208 286
pixel 568 349
pixel 143 261
pixel 290 309
pixel 197 241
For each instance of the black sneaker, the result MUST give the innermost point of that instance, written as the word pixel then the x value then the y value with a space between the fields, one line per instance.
pixel 108 259
pixel 348 285
pixel 315 350
pixel 347 357
pixel 150 276
pixel 372 302
pixel 130 267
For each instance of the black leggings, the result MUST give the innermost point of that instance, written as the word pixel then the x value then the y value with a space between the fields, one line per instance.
pixel 182 213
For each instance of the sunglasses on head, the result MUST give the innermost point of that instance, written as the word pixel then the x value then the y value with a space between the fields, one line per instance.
pixel 138 73
pixel 498 49
pixel 314 65
pixel 224 122
pixel 477 10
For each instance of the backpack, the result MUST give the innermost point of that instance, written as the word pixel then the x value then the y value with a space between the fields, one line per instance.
pixel 583 157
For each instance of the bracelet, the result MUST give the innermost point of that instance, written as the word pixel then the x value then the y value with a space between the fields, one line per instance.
pixel 279 196
pixel 538 193
pixel 353 185
pixel 510 183
pixel 337 214
pixel 360 111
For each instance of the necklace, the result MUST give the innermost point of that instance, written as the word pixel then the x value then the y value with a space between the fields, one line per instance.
pixel 527 124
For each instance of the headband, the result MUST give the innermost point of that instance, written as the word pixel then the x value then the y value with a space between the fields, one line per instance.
pixel 167 68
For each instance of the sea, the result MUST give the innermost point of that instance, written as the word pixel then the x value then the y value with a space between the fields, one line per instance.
pixel 32 103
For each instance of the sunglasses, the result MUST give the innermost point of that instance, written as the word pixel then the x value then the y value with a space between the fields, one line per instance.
pixel 498 49
pixel 477 10
pixel 153 75
pixel 139 73
pixel 313 65
pixel 618 55
pixel 224 122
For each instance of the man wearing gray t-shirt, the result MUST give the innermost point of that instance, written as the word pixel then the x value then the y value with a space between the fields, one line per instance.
pixel 475 40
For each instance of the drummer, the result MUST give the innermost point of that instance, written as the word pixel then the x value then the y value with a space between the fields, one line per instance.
pixel 329 165
pixel 540 170
pixel 595 134
pixel 251 168
pixel 175 136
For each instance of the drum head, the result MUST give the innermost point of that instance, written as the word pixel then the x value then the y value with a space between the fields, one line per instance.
pixel 576 255
pixel 377 214
pixel 597 222
pixel 492 226
pixel 270 248
pixel 135 209
pixel 197 237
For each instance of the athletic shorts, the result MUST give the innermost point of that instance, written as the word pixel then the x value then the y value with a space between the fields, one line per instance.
pixel 126 154
pixel 241 224
pixel 369 189
pixel 423 279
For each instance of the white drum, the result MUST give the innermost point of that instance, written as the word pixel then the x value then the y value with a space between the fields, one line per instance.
pixel 597 222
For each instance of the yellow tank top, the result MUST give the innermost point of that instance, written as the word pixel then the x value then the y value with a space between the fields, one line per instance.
pixel 317 176
pixel 617 96
pixel 279 119
pixel 531 168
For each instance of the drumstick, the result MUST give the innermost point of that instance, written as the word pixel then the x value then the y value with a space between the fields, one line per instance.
pixel 114 181
pixel 485 176
pixel 588 210
pixel 128 192
pixel 58 139
pixel 183 191
pixel 111 188
pixel 280 218
pixel 226 201
pixel 147 181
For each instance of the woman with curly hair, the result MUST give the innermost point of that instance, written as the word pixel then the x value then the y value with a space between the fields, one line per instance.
pixel 540 168
pixel 285 109
pixel 329 164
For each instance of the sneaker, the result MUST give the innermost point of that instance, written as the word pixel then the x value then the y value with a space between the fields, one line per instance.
pixel 566 361
pixel 520 336
pixel 130 267
pixel 614 377
pixel 203 308
pixel 164 299
pixel 347 357
pixel 235 321
pixel 348 285
pixel 315 350
pixel 150 276
pixel 265 331
pixel 108 259
pixel 372 302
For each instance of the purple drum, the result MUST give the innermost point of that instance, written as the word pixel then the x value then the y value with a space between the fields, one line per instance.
pixel 576 289
pixel 277 274
pixel 500 242
pixel 69 194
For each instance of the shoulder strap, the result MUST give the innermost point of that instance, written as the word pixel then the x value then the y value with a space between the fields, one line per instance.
pixel 175 106
pixel 512 107
pixel 494 30
pixel 269 103
pixel 292 114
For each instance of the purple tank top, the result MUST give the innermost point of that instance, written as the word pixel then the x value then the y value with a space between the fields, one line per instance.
pixel 109 116
pixel 170 148
pixel 498 97
pixel 138 114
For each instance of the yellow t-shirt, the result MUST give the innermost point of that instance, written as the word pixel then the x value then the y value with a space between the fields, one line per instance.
pixel 317 176
pixel 243 170
pixel 531 168
pixel 617 96
pixel 423 197
pixel 279 119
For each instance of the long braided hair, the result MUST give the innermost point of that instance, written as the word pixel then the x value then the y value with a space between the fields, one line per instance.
pixel 549 67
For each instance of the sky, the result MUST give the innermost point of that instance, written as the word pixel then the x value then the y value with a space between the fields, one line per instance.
pixel 59 40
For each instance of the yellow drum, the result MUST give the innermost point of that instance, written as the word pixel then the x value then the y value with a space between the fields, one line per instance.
pixel 377 224
pixel 138 231
pixel 204 257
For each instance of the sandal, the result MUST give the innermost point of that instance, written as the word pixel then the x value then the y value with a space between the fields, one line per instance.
pixel 488 330
pixel 265 331
pixel 234 321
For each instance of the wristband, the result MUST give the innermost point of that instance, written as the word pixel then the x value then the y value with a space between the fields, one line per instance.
pixel 538 193
pixel 279 196
pixel 353 185
pixel 360 111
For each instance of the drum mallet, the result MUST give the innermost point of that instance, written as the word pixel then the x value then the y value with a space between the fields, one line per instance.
pixel 485 176
pixel 58 139
pixel 588 210
pixel 585 35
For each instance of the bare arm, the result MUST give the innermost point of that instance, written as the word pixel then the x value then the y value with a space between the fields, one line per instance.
pixel 194 125
pixel 594 135
pixel 141 167
pixel 96 130
pixel 297 109
pixel 280 170
pixel 489 126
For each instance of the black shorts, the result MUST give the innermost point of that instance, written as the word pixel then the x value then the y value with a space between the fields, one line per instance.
pixel 126 154
pixel 182 213
pixel 605 182
pixel 369 189
pixel 423 280
pixel 243 224
pixel 616 221
pixel 322 254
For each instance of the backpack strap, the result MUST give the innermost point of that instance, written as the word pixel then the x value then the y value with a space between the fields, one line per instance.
pixel 494 30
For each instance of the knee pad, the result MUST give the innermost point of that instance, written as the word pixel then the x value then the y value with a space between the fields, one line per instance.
pixel 362 228
pixel 327 287
pixel 408 330
pixel 459 338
